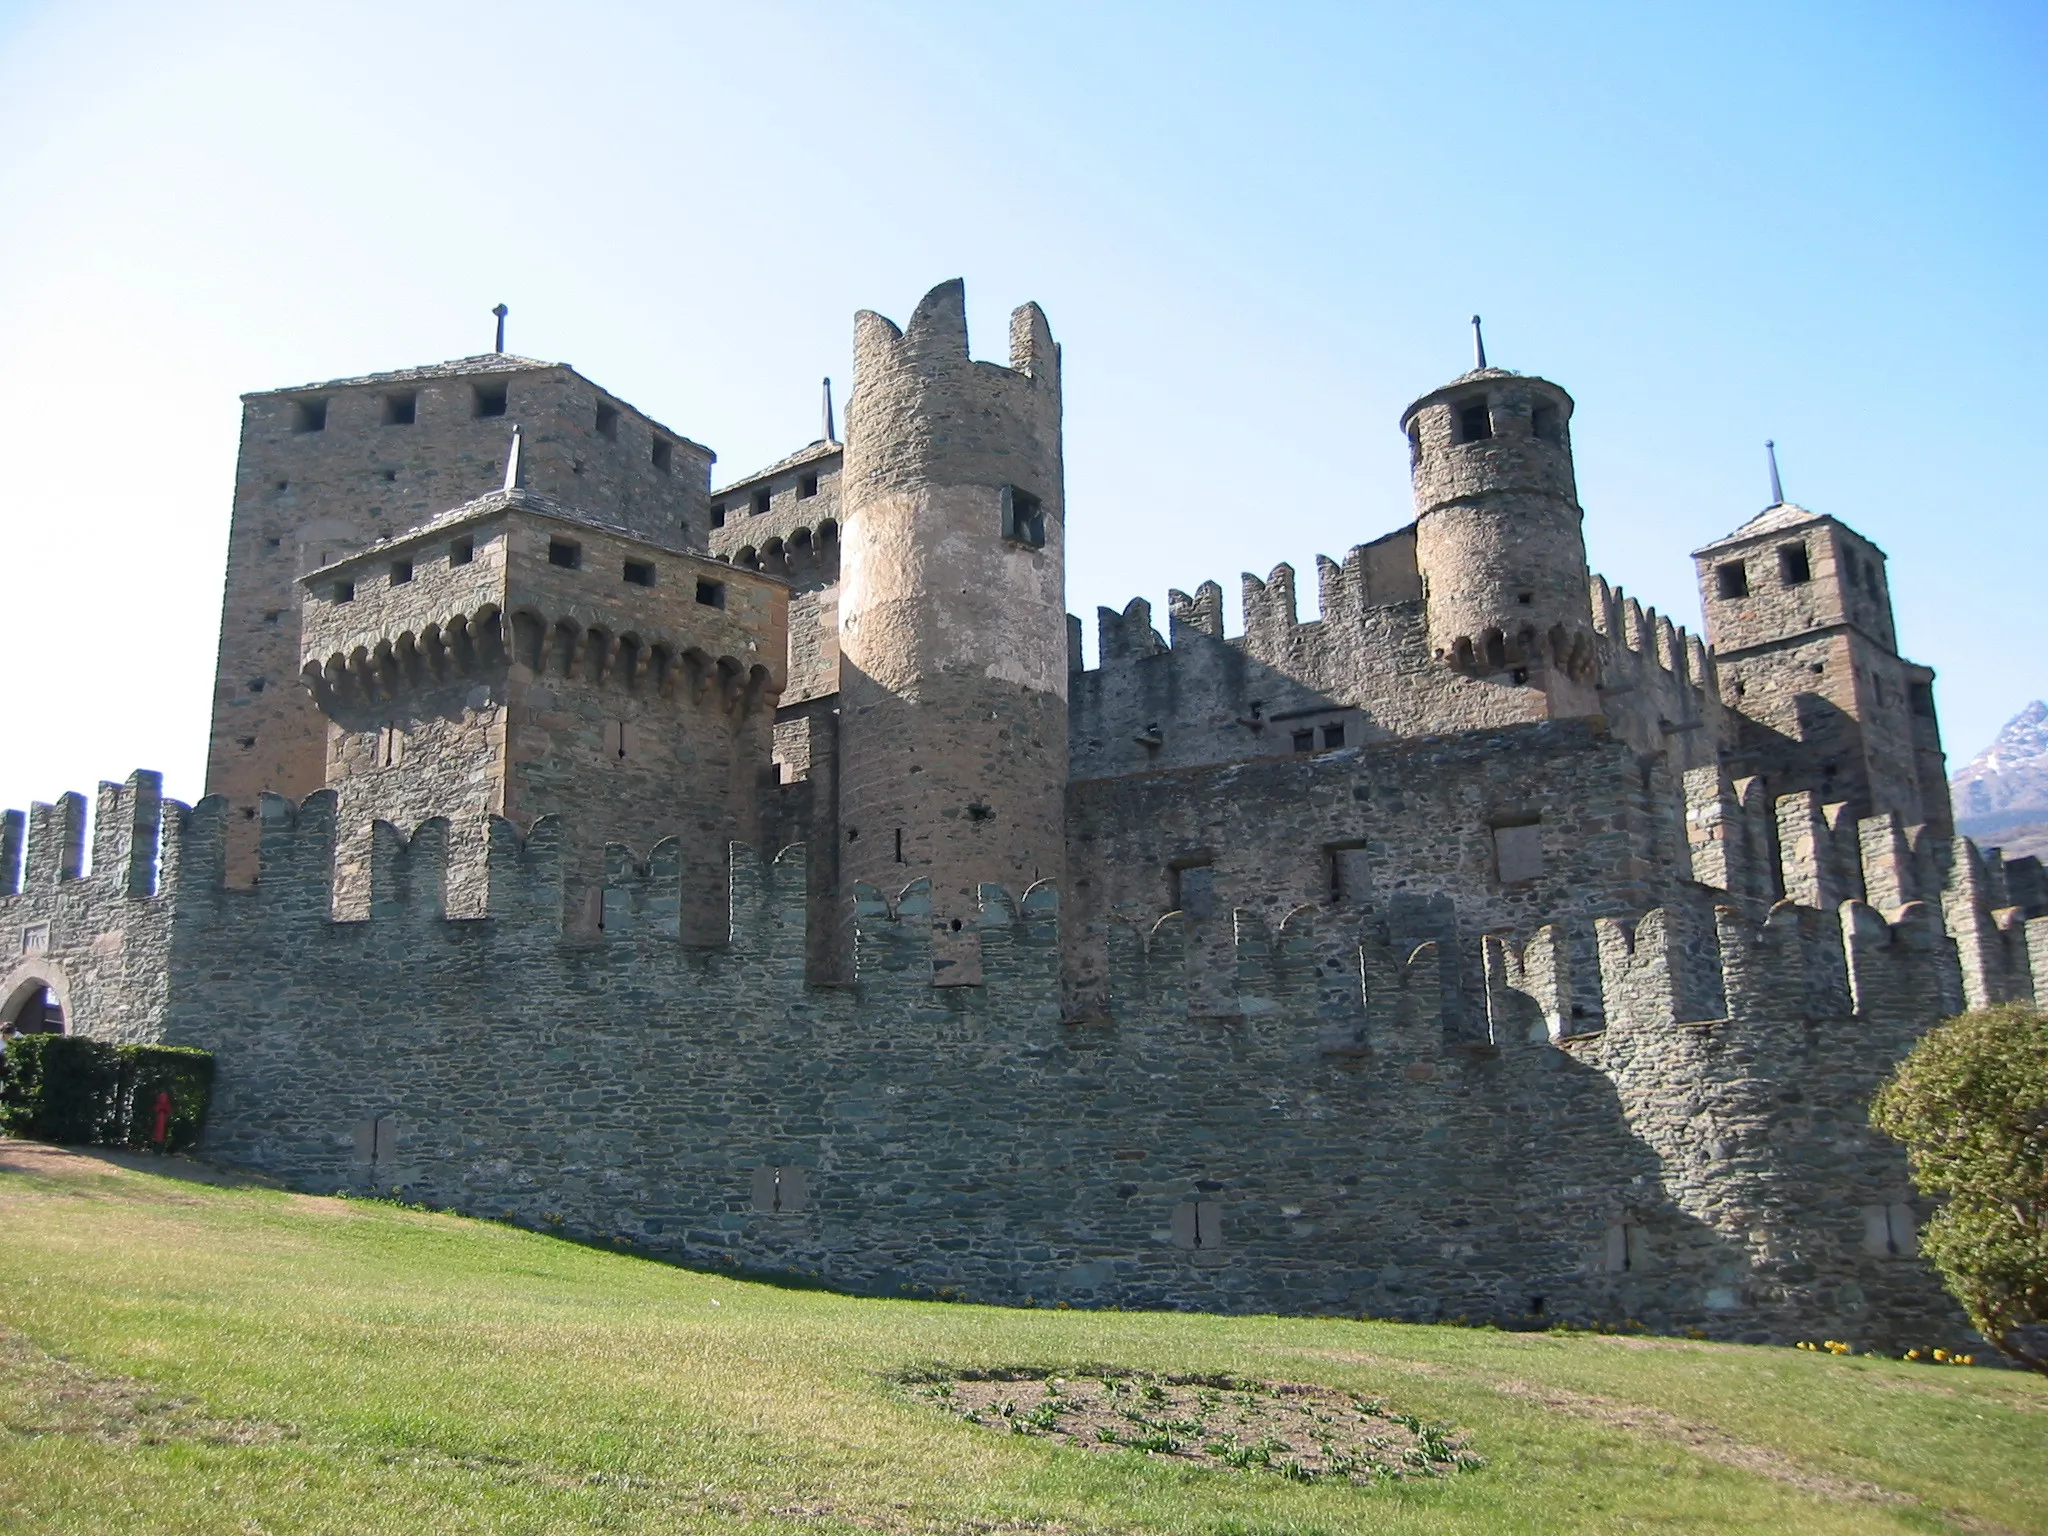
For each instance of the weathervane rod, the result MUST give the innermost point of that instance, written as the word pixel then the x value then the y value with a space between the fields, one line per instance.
pixel 1777 490
pixel 501 312
pixel 1478 345
pixel 831 436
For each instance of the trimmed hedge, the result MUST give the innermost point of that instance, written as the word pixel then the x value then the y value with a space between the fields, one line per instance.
pixel 80 1092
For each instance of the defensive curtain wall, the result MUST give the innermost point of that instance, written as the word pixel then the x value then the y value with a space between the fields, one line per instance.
pixel 1320 1135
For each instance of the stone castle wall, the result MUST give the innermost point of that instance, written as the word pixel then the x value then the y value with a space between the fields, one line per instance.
pixel 1302 1142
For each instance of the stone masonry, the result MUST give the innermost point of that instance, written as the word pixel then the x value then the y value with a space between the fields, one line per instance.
pixel 760 876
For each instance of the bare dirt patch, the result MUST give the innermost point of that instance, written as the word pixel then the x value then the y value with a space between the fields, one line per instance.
pixel 43 1395
pixel 1301 1432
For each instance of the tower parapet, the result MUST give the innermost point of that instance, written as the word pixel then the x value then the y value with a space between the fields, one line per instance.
pixel 952 610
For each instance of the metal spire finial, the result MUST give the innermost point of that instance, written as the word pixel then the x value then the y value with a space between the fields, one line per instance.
pixel 1478 345
pixel 501 312
pixel 513 470
pixel 1777 490
pixel 831 435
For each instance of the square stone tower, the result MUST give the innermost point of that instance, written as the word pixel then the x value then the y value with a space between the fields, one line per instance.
pixel 326 469
pixel 1800 618
pixel 517 657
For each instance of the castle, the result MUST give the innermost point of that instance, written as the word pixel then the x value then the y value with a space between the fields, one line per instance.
pixel 758 875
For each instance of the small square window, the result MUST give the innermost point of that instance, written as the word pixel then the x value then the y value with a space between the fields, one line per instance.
pixel 663 454
pixel 607 421
pixel 711 593
pixel 309 416
pixel 569 556
pixel 1333 736
pixel 1732 579
pixel 640 573
pixel 273 615
pixel 762 500
pixel 1793 565
pixel 1518 853
pixel 401 410
pixel 1304 741
pixel 461 551
pixel 490 399
pixel 718 514
pixel 1475 422
pixel 1543 422
pixel 401 572
pixel 344 591
pixel 807 487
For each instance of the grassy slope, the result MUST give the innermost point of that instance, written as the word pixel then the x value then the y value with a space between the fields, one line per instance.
pixel 347 1367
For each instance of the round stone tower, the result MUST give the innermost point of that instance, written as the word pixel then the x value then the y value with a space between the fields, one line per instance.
pixel 952 615
pixel 1497 534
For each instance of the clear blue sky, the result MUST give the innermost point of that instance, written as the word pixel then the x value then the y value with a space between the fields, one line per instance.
pixel 1258 232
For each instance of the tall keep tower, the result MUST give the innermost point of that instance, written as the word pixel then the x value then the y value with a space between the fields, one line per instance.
pixel 952 611
pixel 1497 534
pixel 1800 616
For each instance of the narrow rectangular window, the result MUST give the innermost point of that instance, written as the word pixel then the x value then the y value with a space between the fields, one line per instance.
pixel 490 399
pixel 1732 579
pixel 344 591
pixel 401 572
pixel 607 421
pixel 1194 889
pixel 762 501
pixel 461 551
pixel 401 410
pixel 1793 565
pixel 1023 518
pixel 621 740
pixel 566 554
pixel 711 593
pixel 718 514
pixel 1333 736
pixel 1475 422
pixel 309 416
pixel 640 573
pixel 1543 423
pixel 778 1191
pixel 899 845
pixel 1350 875
pixel 663 454
pixel 1197 1224
pixel 807 487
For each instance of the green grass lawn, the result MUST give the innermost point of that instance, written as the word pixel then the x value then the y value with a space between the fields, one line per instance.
pixel 176 1357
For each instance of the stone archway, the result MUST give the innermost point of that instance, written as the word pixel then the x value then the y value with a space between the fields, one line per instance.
pixel 35 1000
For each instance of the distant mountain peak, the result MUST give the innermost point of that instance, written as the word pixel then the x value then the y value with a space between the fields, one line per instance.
pixel 2008 777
